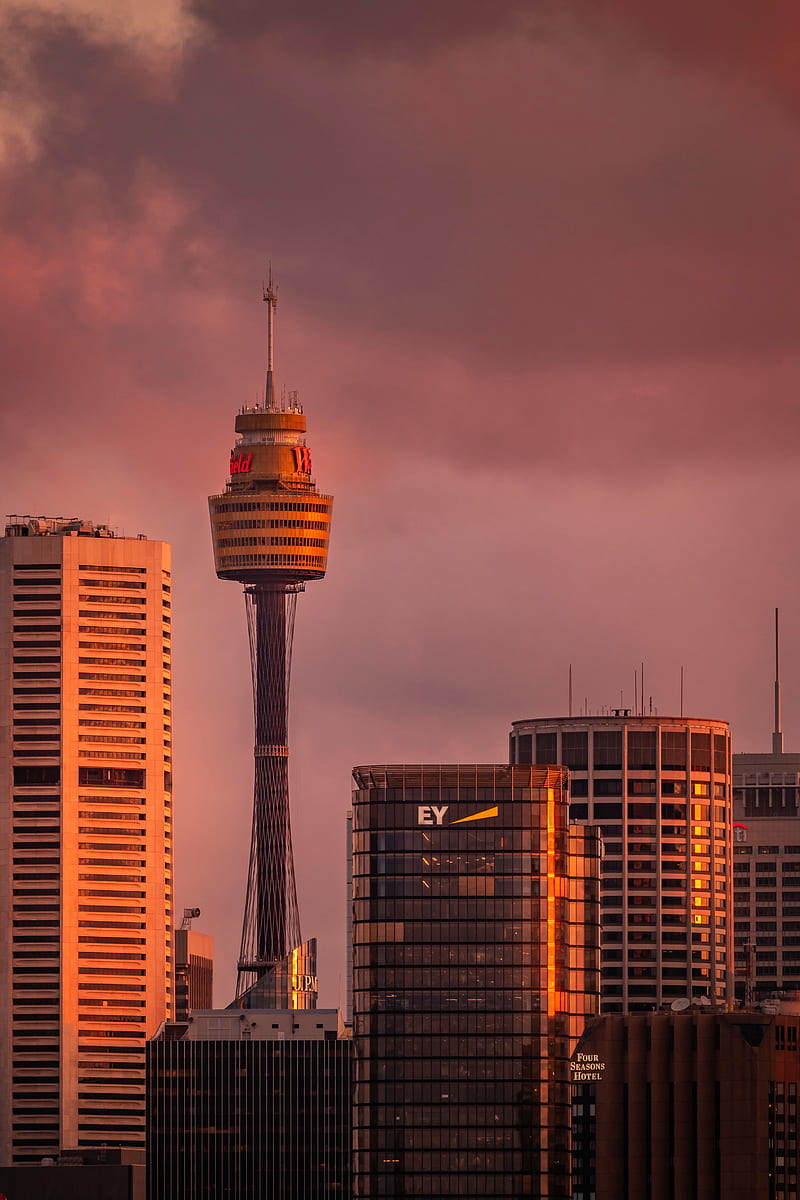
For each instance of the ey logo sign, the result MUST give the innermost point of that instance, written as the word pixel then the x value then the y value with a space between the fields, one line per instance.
pixel 433 814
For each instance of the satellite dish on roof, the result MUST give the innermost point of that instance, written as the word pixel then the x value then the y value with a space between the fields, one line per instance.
pixel 704 1000
pixel 681 1004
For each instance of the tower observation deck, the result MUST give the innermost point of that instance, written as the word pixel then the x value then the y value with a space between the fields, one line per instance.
pixel 270 531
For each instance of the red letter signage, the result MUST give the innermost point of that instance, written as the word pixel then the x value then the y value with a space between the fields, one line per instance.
pixel 240 463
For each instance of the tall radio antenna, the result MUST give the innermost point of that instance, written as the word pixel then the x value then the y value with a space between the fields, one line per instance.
pixel 777 733
pixel 271 300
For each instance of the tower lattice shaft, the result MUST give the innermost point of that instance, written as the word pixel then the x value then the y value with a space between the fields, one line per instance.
pixel 271 925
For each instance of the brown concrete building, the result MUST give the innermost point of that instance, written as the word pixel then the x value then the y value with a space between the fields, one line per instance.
pixel 194 971
pixel 85 832
pixel 691 1105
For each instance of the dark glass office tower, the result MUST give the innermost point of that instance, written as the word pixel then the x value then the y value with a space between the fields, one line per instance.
pixel 249 1104
pixel 475 966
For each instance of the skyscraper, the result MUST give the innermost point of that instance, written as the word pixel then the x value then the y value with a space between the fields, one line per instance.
pixel 475 967
pixel 250 1104
pixel 85 832
pixel 687 1103
pixel 660 790
pixel 270 529
pixel 766 864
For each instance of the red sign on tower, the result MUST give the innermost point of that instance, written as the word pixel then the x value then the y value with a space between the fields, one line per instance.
pixel 240 464
pixel 302 459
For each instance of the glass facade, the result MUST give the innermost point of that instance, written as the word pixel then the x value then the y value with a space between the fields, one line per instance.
pixel 241 1119
pixel 474 968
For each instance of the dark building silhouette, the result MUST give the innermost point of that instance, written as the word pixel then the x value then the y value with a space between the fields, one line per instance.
pixel 688 1104
pixel 106 1173
pixel 251 1103
pixel 474 968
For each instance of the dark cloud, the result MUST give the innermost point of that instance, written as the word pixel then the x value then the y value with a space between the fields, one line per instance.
pixel 373 25
pixel 752 41
pixel 755 42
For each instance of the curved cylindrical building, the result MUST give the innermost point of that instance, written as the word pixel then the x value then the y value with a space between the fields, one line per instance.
pixel 660 790
pixel 270 529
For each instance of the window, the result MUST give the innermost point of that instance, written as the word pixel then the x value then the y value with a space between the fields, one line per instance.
pixel 546 752
pixel 524 748
pixel 575 751
pixel 607 750
pixel 701 751
pixel 720 753
pixel 37 776
pixel 127 777
pixel 673 750
pixel 642 749
pixel 602 811
pixel 673 787
pixel 607 787
pixel 641 787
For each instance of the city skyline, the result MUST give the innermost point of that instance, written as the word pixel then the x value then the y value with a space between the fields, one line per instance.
pixel 559 302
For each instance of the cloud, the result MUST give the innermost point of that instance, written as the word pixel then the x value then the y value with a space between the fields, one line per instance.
pixel 363 25
pixel 751 43
pixel 539 293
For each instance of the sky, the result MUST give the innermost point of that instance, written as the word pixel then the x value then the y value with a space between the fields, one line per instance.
pixel 539 292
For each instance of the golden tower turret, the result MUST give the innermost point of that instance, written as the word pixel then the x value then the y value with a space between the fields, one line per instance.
pixel 271 523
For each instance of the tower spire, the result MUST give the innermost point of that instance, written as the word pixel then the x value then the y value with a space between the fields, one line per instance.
pixel 777 733
pixel 270 473
pixel 271 300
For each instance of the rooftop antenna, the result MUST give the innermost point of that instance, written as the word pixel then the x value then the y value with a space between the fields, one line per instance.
pixel 570 689
pixel 189 915
pixel 777 733
pixel 271 300
pixel 681 691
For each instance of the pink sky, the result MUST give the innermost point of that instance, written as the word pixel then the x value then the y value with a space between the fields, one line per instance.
pixel 538 270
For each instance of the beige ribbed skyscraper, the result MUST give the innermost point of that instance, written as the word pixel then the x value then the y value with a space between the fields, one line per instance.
pixel 85 832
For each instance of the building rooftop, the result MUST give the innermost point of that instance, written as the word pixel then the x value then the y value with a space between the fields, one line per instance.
pixel 27 526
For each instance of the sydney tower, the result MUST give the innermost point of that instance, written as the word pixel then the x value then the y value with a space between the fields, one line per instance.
pixel 270 529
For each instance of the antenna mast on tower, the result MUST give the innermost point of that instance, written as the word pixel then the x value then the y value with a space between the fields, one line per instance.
pixel 777 733
pixel 271 300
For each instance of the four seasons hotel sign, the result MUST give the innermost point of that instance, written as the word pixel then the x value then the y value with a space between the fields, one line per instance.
pixel 586 1068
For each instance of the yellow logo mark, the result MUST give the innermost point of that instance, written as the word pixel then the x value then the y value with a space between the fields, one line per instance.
pixel 487 812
